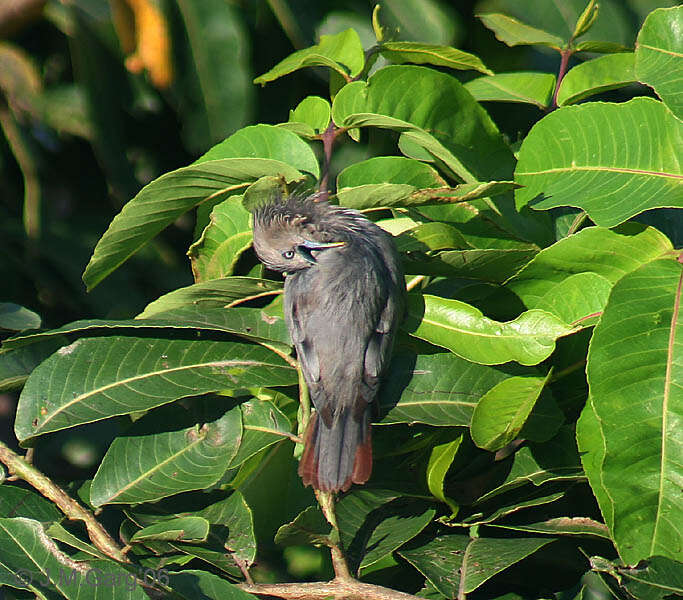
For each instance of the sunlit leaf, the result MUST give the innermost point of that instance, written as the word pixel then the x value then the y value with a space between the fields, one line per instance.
pixel 342 53
pixel 514 33
pixel 628 435
pixel 464 330
pixel 595 76
pixel 161 202
pixel 405 98
pixel 658 56
pixel 630 165
pixel 527 87
pixel 430 54
pixel 97 378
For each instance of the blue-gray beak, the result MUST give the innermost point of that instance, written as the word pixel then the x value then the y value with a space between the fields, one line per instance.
pixel 305 249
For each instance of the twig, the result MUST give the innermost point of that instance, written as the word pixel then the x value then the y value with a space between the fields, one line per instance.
pixel 341 569
pixel 73 510
pixel 347 589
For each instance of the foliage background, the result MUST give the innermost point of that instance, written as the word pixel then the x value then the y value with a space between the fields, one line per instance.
pixel 99 98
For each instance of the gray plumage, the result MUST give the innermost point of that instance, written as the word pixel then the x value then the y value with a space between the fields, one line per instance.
pixel 344 296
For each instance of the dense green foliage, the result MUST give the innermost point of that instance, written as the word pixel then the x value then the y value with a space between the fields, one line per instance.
pixel 528 439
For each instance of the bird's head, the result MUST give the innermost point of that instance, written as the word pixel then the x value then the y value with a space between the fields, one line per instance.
pixel 288 236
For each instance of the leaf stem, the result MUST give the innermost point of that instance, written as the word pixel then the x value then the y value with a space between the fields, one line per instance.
pixel 565 54
pixel 328 138
pixel 18 467
pixel 567 371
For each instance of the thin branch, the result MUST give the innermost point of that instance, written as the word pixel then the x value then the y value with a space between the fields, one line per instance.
pixel 341 569
pixel 567 371
pixel 252 297
pixel 73 510
pixel 347 589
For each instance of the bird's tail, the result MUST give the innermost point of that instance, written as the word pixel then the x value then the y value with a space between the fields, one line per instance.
pixel 337 456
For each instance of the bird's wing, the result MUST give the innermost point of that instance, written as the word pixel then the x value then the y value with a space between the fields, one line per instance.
pixel 295 309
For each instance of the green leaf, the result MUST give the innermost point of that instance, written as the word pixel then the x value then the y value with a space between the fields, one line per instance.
pixel 573 277
pixel 431 54
pixel 515 33
pixel 222 242
pixel 464 330
pixel 239 539
pixel 429 108
pixel 659 49
pixel 342 53
pixel 419 21
pixel 214 293
pixel 632 454
pixel 57 532
pixel 190 456
pixel 601 47
pixel 502 412
pixel 493 265
pixel 212 89
pixel 586 19
pixel 313 111
pixel 232 528
pixel 191 529
pixel 372 525
pixel 263 424
pixel 430 236
pixel 436 389
pixel 250 323
pixel 97 378
pixel 527 87
pixel 595 76
pixel 572 526
pixel 440 459
pixel 31 560
pixel 447 558
pixel 16 364
pixel 266 141
pixel 194 584
pixel 376 195
pixel 161 202
pixel 556 460
pixel 18 502
pixel 17 318
pixel 630 165
pixel 659 578
pixel 390 169
pixel 309 527
pixel 614 20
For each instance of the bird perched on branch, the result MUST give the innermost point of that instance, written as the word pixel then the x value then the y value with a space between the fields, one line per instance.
pixel 344 297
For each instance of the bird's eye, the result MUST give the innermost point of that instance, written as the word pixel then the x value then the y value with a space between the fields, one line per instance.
pixel 289 254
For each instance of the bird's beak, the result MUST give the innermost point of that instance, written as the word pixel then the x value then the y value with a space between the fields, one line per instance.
pixel 305 249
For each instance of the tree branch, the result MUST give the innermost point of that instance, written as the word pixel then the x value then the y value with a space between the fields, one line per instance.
pixel 73 510
pixel 347 589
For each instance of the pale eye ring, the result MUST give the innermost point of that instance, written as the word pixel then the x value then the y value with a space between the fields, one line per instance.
pixel 288 254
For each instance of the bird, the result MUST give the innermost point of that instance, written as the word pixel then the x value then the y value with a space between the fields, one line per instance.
pixel 344 297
